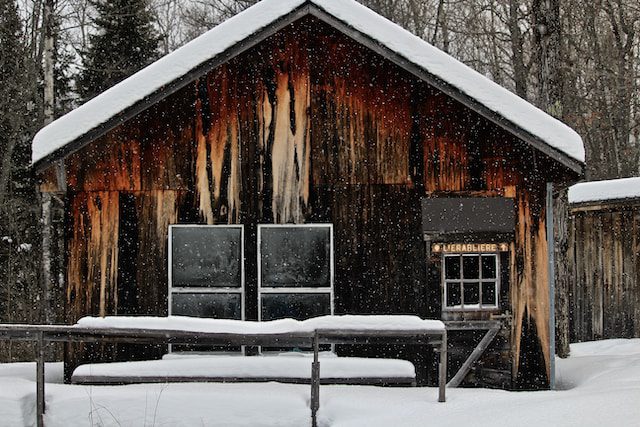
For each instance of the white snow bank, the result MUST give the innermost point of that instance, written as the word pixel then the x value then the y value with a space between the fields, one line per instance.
pixel 612 347
pixel 18 391
pixel 27 370
pixel 179 405
pixel 17 401
pixel 612 189
pixel 607 393
pixel 214 42
pixel 600 364
pixel 346 322
pixel 251 367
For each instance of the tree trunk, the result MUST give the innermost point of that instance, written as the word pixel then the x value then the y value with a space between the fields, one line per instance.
pixel 47 226
pixel 517 49
pixel 48 61
pixel 546 25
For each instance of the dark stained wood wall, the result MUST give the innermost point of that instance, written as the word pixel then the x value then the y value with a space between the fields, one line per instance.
pixel 306 127
pixel 604 295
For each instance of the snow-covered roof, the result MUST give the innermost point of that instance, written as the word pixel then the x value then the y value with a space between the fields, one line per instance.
pixel 103 110
pixel 599 191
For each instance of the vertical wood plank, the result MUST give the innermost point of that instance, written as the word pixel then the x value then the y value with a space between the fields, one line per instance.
pixel 607 275
pixel 576 313
pixel 626 254
pixel 597 277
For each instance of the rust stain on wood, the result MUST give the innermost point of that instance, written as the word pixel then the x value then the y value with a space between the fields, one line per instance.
pixel 93 255
pixel 156 211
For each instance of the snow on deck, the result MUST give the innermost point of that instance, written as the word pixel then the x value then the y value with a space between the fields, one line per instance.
pixel 613 189
pixel 282 326
pixel 277 366
pixel 216 41
pixel 600 385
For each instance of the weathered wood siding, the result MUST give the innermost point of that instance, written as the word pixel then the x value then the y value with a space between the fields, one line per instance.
pixel 306 127
pixel 604 295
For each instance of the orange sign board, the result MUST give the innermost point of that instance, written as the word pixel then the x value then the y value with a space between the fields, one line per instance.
pixel 456 248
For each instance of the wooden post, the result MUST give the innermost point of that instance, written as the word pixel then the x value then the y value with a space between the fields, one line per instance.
pixel 564 268
pixel 40 401
pixel 315 382
pixel 442 380
pixel 552 290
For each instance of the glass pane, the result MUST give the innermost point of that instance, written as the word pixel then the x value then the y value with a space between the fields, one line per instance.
pixel 489 293
pixel 453 295
pixel 296 306
pixel 452 267
pixel 489 266
pixel 295 256
pixel 471 294
pixel 206 256
pixel 220 306
pixel 471 266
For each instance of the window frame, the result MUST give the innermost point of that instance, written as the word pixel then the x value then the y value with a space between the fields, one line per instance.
pixel 297 290
pixel 206 290
pixel 461 281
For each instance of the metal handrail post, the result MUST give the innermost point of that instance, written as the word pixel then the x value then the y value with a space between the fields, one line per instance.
pixel 40 399
pixel 315 381
pixel 442 381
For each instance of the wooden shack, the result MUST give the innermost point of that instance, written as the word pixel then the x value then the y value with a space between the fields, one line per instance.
pixel 604 242
pixel 308 158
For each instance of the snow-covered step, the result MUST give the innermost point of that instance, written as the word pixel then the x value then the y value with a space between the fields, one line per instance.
pixel 231 368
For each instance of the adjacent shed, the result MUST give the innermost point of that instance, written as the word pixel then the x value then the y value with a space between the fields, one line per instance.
pixel 311 157
pixel 604 242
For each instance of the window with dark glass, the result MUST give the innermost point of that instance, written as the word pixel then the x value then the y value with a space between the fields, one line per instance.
pixel 295 271
pixel 206 271
pixel 470 281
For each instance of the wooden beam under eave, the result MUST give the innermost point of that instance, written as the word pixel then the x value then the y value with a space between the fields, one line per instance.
pixel 53 179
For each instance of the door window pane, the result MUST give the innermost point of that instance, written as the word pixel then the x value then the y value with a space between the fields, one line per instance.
pixel 297 306
pixel 214 305
pixel 454 298
pixel 471 293
pixel 488 266
pixel 206 256
pixel 489 293
pixel 471 266
pixel 452 267
pixel 295 257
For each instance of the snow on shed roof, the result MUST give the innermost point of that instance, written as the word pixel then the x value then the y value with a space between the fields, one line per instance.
pixel 598 191
pixel 104 109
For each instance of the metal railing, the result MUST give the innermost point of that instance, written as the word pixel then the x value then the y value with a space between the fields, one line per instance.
pixel 45 334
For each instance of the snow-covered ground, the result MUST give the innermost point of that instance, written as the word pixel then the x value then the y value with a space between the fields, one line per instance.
pixel 599 385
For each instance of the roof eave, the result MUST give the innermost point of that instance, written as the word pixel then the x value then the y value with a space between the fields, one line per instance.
pixel 605 204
